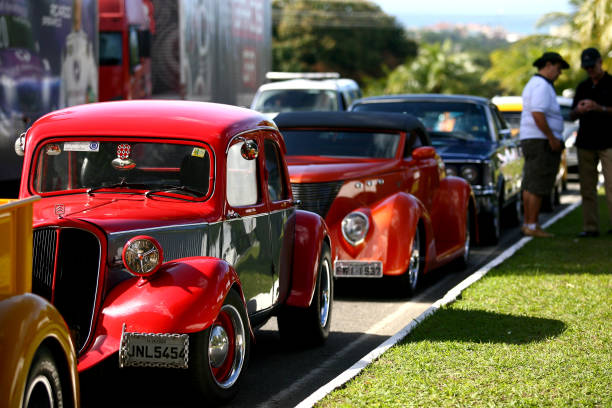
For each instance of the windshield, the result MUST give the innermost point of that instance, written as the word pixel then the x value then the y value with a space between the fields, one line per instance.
pixel 344 143
pixel 289 100
pixel 466 121
pixel 93 164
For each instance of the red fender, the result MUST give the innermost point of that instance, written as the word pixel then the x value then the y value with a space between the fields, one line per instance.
pixel 310 232
pixel 393 222
pixel 452 197
pixel 184 296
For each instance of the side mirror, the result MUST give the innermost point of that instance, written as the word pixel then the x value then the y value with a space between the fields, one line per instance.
pixel 505 134
pixel 249 150
pixel 424 153
pixel 20 145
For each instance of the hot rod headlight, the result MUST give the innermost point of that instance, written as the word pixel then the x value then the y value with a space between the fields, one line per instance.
pixel 142 256
pixel 355 227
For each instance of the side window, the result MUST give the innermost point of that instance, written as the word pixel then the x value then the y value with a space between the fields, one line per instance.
pixel 276 182
pixel 241 178
pixel 413 140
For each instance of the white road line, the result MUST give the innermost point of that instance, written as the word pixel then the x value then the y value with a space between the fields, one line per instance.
pixel 450 297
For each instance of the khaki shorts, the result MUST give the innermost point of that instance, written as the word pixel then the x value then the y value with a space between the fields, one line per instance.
pixel 541 166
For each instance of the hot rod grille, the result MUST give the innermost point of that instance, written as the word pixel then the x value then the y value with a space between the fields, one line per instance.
pixel 316 197
pixel 66 265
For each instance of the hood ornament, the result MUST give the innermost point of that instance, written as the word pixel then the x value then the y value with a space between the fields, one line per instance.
pixel 60 210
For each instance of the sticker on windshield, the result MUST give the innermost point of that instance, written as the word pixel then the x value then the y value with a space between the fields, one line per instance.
pixel 53 149
pixel 81 146
pixel 198 152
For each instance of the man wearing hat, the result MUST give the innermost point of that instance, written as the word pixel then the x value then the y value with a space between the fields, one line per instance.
pixel 593 106
pixel 541 134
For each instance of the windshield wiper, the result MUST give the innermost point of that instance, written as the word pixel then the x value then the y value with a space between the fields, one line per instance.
pixel 169 187
pixel 121 184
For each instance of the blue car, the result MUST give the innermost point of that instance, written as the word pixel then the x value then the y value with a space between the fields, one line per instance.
pixel 475 143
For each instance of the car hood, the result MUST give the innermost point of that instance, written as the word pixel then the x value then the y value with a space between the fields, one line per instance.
pixel 462 150
pixel 120 212
pixel 316 169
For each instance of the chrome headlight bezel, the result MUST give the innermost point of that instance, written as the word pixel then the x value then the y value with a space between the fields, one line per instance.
pixel 470 173
pixel 355 227
pixel 142 256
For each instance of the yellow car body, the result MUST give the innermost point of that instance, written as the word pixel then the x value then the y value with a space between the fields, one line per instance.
pixel 37 356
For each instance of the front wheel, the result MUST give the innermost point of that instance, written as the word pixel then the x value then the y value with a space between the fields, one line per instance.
pixel 411 279
pixel 310 326
pixel 43 388
pixel 219 354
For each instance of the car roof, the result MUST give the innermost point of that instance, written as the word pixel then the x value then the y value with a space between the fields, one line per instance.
pixel 349 120
pixel 512 103
pixel 151 118
pixel 423 97
pixel 322 84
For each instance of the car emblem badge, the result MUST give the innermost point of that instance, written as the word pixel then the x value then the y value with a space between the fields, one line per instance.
pixel 60 210
pixel 123 161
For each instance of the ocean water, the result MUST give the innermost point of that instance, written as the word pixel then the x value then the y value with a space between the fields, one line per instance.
pixel 515 24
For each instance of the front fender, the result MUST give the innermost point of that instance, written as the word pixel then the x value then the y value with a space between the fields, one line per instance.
pixel 453 197
pixel 393 222
pixel 184 296
pixel 26 322
pixel 310 233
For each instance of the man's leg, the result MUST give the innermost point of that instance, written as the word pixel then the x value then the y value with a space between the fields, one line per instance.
pixel 531 206
pixel 605 156
pixel 587 172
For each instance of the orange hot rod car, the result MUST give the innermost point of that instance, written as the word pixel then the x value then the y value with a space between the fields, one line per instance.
pixel 390 208
pixel 38 366
pixel 167 232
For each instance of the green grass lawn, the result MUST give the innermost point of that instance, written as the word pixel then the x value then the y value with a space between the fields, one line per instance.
pixel 536 331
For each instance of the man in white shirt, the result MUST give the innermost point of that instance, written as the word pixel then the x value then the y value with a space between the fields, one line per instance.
pixel 541 135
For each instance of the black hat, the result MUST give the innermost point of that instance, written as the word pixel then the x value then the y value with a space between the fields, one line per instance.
pixel 550 57
pixel 589 57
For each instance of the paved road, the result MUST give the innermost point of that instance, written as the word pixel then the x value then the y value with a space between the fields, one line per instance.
pixel 364 316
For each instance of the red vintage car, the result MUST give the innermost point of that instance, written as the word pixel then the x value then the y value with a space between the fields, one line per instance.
pixel 390 208
pixel 167 232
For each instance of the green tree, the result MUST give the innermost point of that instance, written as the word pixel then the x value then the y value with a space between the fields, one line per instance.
pixel 352 37
pixel 439 68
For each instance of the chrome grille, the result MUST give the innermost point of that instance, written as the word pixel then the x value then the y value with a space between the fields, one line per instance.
pixel 316 197
pixel 66 265
pixel 44 242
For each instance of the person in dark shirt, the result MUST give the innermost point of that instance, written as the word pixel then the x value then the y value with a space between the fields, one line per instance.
pixel 593 106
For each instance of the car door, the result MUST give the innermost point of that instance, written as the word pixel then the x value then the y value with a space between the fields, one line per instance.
pixel 281 214
pixel 246 228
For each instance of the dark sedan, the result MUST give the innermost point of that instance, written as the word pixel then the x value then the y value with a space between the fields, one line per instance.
pixel 475 143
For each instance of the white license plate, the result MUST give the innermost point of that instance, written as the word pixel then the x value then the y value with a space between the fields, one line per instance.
pixel 154 350
pixel 358 269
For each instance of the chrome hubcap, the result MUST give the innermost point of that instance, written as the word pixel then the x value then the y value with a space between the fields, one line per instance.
pixel 218 346
pixel 413 270
pixel 325 295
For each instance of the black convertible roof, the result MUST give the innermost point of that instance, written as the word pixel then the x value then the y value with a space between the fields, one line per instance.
pixel 348 120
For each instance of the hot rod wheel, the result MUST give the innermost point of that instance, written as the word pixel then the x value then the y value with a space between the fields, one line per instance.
pixel 310 326
pixel 220 353
pixel 410 280
pixel 44 388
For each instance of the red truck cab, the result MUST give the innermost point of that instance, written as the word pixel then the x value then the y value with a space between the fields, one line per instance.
pixel 125 49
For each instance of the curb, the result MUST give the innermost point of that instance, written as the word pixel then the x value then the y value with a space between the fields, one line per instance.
pixel 448 298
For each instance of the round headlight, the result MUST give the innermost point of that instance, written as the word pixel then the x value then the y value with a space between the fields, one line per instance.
pixel 470 173
pixel 451 170
pixel 355 227
pixel 142 256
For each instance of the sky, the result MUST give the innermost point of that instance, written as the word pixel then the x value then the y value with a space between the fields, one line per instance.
pixel 514 15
